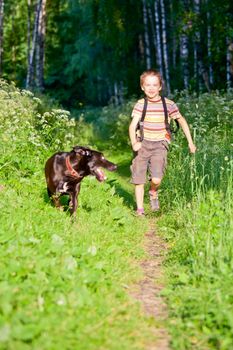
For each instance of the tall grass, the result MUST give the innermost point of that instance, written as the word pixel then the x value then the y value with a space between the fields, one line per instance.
pixel 197 221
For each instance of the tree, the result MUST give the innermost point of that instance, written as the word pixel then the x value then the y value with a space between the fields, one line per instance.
pixel 1 33
pixel 35 67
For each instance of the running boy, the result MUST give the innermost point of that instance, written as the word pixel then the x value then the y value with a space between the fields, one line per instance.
pixel 152 151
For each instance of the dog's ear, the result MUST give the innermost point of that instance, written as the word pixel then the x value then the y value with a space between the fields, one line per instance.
pixel 82 151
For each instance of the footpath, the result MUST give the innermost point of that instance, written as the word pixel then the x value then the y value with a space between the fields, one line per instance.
pixel 148 290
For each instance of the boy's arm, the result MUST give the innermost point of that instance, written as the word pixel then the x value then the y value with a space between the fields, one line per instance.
pixel 185 128
pixel 132 133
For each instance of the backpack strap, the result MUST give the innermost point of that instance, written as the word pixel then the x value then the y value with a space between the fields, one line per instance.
pixel 167 125
pixel 142 119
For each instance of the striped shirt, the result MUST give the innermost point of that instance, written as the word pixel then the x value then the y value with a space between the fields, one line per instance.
pixel 154 123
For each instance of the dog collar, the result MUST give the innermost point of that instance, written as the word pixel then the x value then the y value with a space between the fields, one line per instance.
pixel 70 168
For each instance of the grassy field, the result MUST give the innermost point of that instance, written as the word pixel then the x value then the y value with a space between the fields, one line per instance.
pixel 64 285
pixel 197 222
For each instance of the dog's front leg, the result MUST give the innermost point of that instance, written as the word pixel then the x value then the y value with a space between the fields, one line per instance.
pixel 56 200
pixel 74 200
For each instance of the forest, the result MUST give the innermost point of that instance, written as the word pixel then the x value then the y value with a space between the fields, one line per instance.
pixel 92 52
pixel 108 280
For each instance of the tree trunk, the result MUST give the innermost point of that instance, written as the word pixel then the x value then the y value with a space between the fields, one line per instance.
pixel 159 58
pixel 30 71
pixel 173 35
pixel 152 24
pixel 40 48
pixel 165 49
pixel 146 36
pixel 184 53
pixel 229 62
pixel 209 53
pixel 28 32
pixel 200 69
pixel 1 33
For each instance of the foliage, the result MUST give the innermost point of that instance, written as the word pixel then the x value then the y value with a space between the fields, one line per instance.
pixel 95 50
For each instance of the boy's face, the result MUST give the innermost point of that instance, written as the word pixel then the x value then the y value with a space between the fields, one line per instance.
pixel 151 87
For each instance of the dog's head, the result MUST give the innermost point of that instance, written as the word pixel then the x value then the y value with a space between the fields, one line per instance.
pixel 95 162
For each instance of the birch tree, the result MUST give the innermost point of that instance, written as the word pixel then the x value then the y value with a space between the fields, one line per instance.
pixel 40 56
pixel 1 33
pixel 146 36
pixel 184 49
pixel 209 52
pixel 174 39
pixel 229 62
pixel 31 65
pixel 199 69
pixel 159 58
pixel 165 48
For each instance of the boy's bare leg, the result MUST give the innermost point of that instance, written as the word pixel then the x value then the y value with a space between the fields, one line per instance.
pixel 139 194
pixel 154 186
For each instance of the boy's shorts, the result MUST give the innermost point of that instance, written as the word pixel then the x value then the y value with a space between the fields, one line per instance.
pixel 152 154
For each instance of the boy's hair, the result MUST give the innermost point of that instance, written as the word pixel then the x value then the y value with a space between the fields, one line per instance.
pixel 152 72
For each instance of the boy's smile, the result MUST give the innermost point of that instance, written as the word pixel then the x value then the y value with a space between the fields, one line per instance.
pixel 151 87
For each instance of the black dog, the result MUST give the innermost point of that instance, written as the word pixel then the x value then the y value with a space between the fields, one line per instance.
pixel 64 172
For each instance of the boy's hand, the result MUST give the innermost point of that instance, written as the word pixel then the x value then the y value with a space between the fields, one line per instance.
pixel 192 148
pixel 136 146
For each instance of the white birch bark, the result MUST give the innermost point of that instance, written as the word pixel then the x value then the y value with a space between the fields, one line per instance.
pixel 159 58
pixel 28 32
pixel 146 36
pixel 209 53
pixel 165 48
pixel 201 71
pixel 40 47
pixel 30 70
pixel 1 33
pixel 229 62
pixel 174 39
pixel 184 54
pixel 197 72
pixel 116 100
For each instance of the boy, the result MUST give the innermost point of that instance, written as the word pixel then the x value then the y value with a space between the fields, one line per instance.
pixel 152 151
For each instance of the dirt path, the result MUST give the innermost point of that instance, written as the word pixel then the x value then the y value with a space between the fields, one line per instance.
pixel 148 289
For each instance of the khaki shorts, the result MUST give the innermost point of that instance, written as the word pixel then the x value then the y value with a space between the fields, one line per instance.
pixel 152 155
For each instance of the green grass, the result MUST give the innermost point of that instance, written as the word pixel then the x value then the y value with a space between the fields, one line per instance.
pixel 197 223
pixel 64 284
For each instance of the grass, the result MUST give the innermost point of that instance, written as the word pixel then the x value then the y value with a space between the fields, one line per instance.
pixel 64 285
pixel 197 222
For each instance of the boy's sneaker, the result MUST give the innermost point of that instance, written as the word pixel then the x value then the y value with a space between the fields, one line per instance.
pixel 140 212
pixel 154 200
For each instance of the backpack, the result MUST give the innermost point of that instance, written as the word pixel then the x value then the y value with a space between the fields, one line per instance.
pixel 139 128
